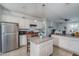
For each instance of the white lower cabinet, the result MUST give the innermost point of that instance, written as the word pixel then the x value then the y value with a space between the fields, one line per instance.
pixel 66 46
pixel 41 49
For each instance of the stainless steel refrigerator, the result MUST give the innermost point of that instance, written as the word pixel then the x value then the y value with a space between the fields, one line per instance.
pixel 8 36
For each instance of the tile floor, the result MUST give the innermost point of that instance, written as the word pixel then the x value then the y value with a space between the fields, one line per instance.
pixel 23 52
pixel 18 52
pixel 61 52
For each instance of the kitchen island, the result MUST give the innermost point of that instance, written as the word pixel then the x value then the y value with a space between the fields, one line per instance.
pixel 69 44
pixel 41 46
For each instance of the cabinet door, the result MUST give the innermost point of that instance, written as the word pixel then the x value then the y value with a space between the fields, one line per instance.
pixel 49 49
pixel 43 51
pixel 46 48
pixel 46 51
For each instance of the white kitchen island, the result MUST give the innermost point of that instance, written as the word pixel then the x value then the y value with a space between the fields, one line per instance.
pixel 41 46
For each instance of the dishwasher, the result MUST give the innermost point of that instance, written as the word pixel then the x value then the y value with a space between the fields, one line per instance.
pixel 23 38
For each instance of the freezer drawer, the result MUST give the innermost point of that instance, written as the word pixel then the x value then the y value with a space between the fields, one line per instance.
pixel 9 42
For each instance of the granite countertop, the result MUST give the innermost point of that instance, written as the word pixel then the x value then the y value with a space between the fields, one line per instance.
pixel 68 35
pixel 39 40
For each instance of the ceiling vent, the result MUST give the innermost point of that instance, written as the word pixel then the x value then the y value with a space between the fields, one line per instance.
pixel 23 17
pixel 43 5
pixel 67 3
pixel 66 20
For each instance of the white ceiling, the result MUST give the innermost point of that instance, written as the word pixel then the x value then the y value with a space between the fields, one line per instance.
pixel 52 11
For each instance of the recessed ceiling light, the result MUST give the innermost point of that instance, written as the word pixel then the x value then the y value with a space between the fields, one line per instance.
pixel 43 5
pixel 35 20
pixel 67 3
pixel 23 17
pixel 24 7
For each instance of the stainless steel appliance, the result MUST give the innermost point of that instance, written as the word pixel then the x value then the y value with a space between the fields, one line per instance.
pixel 8 36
